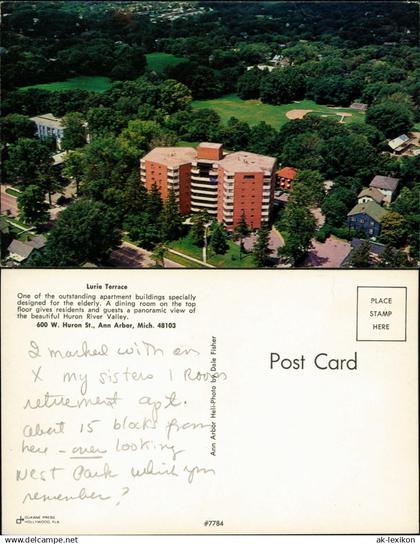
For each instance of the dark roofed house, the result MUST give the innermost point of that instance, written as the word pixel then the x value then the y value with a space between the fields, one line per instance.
pixel 387 185
pixel 20 251
pixel 37 242
pixel 366 217
pixel 370 194
pixel 375 250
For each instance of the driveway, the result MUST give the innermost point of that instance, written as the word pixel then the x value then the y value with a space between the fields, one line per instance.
pixel 274 242
pixel 330 254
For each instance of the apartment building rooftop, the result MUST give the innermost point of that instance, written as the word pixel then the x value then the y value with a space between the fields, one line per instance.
pixel 242 161
pixel 171 156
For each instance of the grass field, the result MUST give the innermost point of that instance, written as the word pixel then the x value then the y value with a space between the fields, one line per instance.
pixel 254 111
pixel 229 260
pixel 159 61
pixel 96 84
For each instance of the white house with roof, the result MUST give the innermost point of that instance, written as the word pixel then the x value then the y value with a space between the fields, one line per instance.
pixel 370 194
pixel 398 145
pixel 49 126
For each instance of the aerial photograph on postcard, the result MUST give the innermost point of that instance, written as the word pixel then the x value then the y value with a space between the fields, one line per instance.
pixel 210 134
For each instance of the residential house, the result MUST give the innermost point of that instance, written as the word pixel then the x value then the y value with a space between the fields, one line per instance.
pixel 285 177
pixel 20 251
pixel 366 217
pixel 400 144
pixel 370 194
pixel 375 251
pixel 49 126
pixel 387 185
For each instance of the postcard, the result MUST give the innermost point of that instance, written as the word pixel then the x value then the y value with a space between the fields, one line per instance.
pixel 209 402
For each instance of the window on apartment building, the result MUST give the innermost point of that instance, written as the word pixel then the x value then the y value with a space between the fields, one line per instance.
pixel 249 177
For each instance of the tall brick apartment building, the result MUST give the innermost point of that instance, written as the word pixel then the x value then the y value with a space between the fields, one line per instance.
pixel 208 179
pixel 246 184
pixel 168 167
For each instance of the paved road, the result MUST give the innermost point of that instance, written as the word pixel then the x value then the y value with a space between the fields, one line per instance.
pixel 130 256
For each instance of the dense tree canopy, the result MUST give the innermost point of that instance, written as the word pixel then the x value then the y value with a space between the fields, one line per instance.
pixel 85 231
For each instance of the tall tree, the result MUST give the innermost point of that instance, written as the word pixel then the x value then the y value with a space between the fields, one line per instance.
pixel 241 230
pixel 134 195
pixel 73 167
pixel 15 126
pixel 393 229
pixel 75 131
pixel 310 184
pixel 360 257
pixel 170 218
pixel 84 231
pixel 198 222
pixel 154 203
pixel 27 158
pixel 33 209
pixel 261 251
pixel 301 226
pixel 392 118
pixel 158 255
pixel 218 239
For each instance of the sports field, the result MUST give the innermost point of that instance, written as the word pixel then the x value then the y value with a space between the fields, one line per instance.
pixel 254 111
pixel 96 84
pixel 159 61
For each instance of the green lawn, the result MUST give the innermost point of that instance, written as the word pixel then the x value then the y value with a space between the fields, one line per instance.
pixel 159 61
pixel 254 111
pixel 182 261
pixel 229 260
pixel 84 83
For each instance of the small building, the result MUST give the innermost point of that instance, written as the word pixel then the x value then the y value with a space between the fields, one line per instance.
pixel 400 144
pixel 285 177
pixel 366 217
pixel 37 242
pixel 370 194
pixel 359 106
pixel 49 126
pixel 20 251
pixel 387 185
